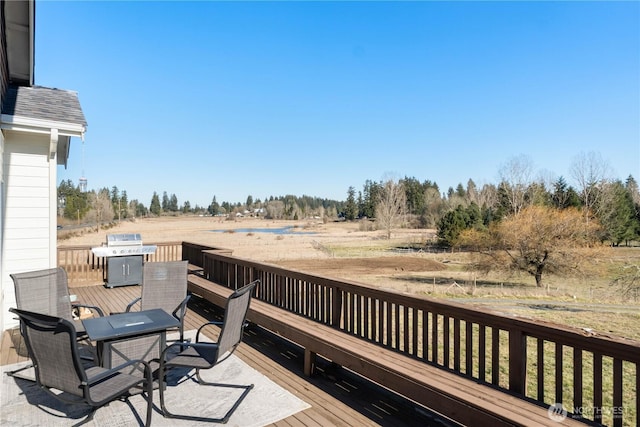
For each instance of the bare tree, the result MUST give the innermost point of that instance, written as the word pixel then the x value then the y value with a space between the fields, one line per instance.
pixel 590 172
pixel 434 206
pixel 628 280
pixel 391 206
pixel 488 196
pixel 275 209
pixel 101 207
pixel 516 175
pixel 472 192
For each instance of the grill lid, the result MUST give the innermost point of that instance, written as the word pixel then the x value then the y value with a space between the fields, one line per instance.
pixel 122 245
pixel 124 239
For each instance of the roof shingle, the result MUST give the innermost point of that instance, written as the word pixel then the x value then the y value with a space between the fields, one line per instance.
pixel 43 103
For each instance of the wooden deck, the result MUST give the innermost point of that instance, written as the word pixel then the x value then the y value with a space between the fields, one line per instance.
pixel 337 396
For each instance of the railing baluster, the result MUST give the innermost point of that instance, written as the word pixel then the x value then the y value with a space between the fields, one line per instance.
pixel 375 319
pixel 597 387
pixel 540 373
pixel 559 372
pixel 495 356
pixel 359 316
pixel 456 345
pixel 617 392
pixel 517 361
pixel 425 334
pixel 407 332
pixel 434 337
pixel 468 348
pixel 482 352
pixel 415 332
pixel 381 321
pixel 577 378
pixel 396 326
pixel 389 328
pixel 445 344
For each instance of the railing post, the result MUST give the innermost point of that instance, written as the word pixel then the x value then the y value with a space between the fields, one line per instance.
pixel 517 361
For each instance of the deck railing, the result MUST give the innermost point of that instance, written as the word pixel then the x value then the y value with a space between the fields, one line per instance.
pixel 592 376
pixel 84 268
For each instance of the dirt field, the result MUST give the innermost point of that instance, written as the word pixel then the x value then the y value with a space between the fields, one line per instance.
pixel 344 250
pixel 257 239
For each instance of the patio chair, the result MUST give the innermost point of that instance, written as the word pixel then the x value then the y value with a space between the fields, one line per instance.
pixel 164 285
pixel 205 355
pixel 51 342
pixel 47 292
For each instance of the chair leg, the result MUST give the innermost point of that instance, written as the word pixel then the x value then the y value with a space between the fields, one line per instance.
pixel 223 419
pixel 88 418
pixel 16 371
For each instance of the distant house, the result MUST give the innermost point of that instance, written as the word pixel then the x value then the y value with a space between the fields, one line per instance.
pixel 36 124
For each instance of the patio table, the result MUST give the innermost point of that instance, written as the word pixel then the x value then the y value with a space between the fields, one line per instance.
pixel 126 336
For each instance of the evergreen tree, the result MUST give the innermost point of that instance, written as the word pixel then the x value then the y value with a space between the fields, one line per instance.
pixel 351 209
pixel 75 204
pixel 619 219
pixel 451 225
pixel 370 196
pixel 165 201
pixel 173 203
pixel 124 202
pixel 214 207
pixel 139 209
pixel 564 196
pixel 414 194
pixel 154 206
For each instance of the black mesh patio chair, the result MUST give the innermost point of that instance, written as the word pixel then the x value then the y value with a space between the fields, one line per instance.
pixel 205 355
pixel 164 285
pixel 52 347
pixel 47 292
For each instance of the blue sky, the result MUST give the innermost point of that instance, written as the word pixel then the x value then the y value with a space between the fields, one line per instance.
pixel 238 98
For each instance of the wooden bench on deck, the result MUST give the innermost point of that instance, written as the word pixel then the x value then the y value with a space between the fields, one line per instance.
pixel 462 399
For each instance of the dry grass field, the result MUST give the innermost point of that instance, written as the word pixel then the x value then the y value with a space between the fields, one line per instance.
pixel 347 251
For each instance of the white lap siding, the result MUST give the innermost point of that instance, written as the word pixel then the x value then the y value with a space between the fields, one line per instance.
pixel 28 235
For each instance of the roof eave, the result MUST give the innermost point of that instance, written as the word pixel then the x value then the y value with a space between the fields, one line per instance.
pixel 32 125
pixel 20 34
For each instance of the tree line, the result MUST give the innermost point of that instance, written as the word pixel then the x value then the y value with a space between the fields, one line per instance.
pixel 523 224
pixel 407 202
pixel 106 205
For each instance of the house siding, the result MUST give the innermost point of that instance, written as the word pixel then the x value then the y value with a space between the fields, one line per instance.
pixel 26 232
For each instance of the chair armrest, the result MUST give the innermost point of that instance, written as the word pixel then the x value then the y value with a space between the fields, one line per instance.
pixel 132 303
pixel 90 307
pixel 101 376
pixel 181 310
pixel 213 322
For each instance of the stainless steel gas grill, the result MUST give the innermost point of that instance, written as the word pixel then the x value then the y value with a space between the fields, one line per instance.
pixel 125 255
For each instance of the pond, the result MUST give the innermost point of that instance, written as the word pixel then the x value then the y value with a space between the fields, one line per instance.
pixel 282 230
